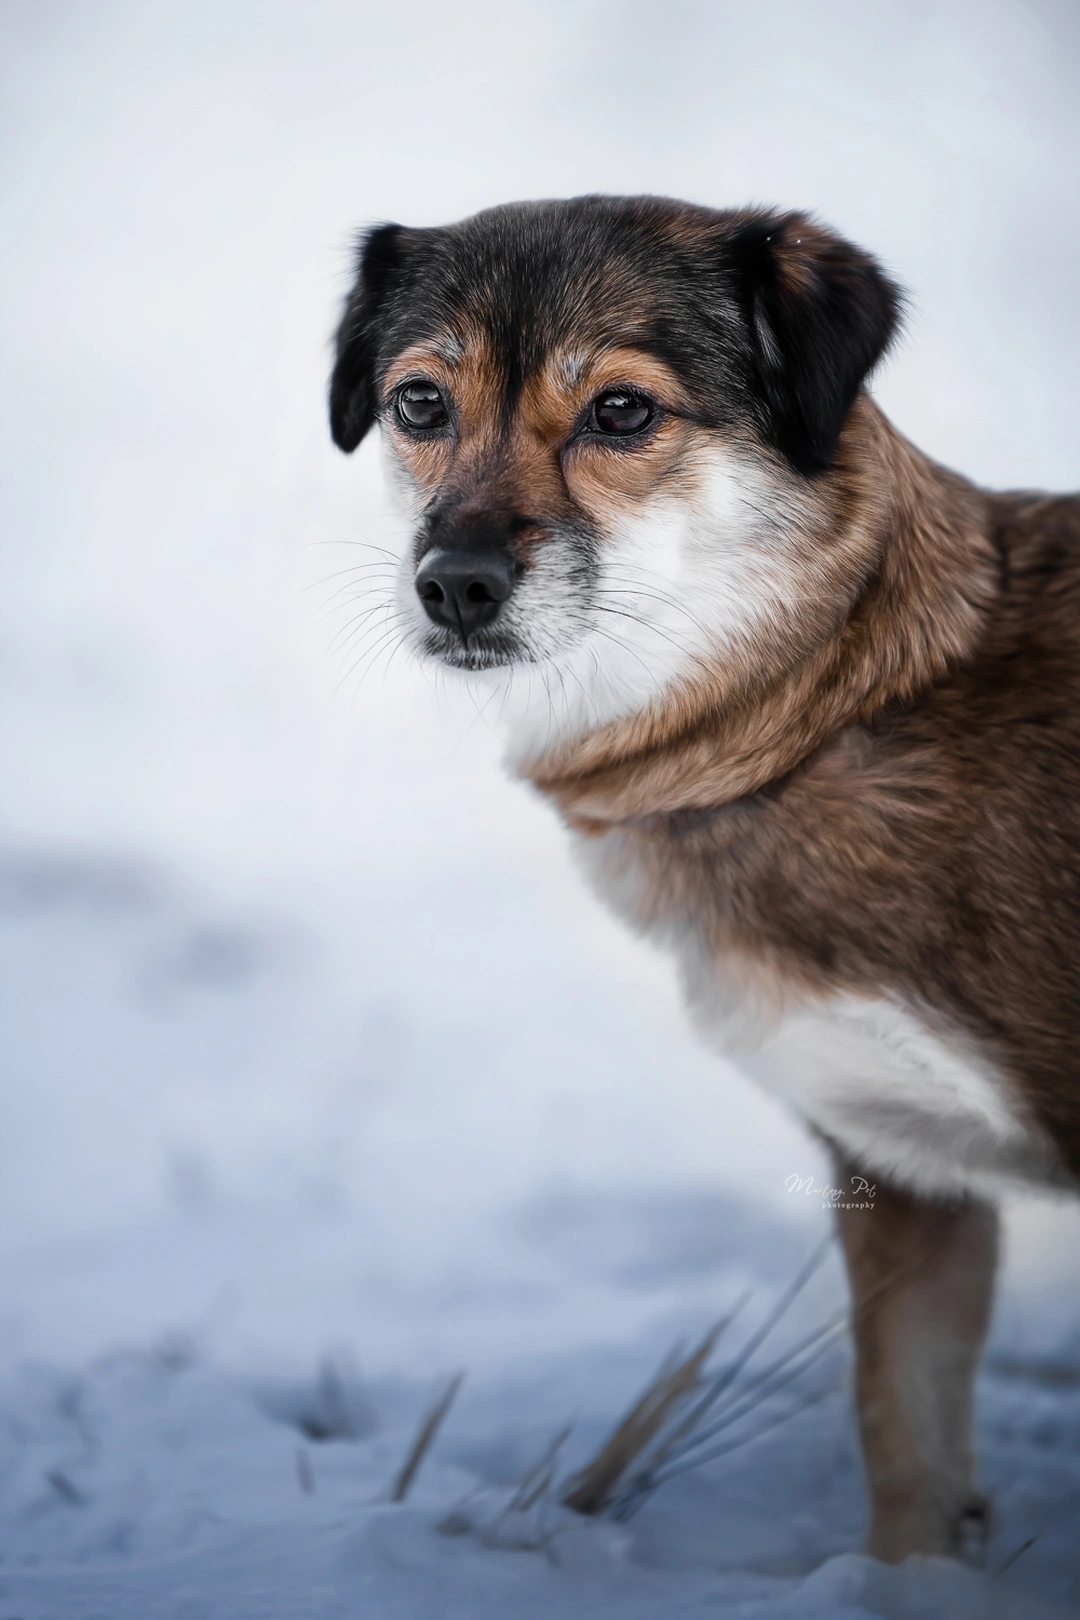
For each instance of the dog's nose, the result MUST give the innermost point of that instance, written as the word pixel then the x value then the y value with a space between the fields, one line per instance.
pixel 465 589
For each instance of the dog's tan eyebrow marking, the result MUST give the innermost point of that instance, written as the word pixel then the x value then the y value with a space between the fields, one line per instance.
pixel 443 353
pixel 572 366
pixel 570 378
pixel 450 348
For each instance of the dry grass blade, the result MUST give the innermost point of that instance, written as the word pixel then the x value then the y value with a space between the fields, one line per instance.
pixel 304 1475
pixel 1017 1553
pixel 425 1435
pixel 539 1478
pixel 686 1434
pixel 591 1490
pixel 728 1375
pixel 627 1503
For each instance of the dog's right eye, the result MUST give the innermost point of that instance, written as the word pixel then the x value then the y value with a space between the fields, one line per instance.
pixel 620 412
pixel 420 405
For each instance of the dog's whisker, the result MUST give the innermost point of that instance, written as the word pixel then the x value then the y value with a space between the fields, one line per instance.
pixel 347 597
pixel 363 545
pixel 362 586
pixel 341 573
pixel 360 616
pixel 384 616
pixel 389 624
pixel 393 654
pixel 653 629
pixel 364 661
pixel 614 613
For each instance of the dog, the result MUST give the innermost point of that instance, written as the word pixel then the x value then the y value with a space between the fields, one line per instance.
pixel 809 702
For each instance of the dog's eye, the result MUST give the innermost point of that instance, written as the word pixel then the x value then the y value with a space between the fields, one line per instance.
pixel 420 405
pixel 620 411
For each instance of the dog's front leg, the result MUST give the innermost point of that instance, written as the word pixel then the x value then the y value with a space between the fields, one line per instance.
pixel 922 1278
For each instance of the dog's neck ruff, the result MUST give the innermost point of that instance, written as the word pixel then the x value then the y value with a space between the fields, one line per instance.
pixel 719 737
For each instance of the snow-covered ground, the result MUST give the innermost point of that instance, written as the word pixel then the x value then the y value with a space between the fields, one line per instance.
pixel 323 1078
pixel 151 1482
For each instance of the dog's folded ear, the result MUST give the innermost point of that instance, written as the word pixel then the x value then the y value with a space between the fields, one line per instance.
pixel 380 261
pixel 821 314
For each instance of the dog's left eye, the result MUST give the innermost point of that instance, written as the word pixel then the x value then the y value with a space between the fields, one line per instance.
pixel 420 405
pixel 620 411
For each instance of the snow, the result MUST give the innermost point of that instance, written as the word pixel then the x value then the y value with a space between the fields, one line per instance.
pixel 162 1480
pixel 323 1077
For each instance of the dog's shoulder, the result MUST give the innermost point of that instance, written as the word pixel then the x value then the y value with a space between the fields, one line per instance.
pixel 1037 540
pixel 1010 715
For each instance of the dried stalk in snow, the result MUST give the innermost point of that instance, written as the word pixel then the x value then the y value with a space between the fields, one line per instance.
pixel 657 1438
pixel 540 1477
pixel 425 1435
pixel 591 1490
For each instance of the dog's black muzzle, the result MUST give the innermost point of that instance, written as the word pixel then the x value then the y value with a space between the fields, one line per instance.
pixel 469 568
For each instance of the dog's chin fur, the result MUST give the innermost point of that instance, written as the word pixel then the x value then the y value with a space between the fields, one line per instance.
pixel 678 586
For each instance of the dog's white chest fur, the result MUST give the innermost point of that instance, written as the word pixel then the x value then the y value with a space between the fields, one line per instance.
pixel 904 1103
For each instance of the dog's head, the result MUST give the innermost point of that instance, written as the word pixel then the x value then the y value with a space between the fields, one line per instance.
pixel 612 421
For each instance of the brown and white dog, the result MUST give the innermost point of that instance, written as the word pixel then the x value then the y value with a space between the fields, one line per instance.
pixel 810 702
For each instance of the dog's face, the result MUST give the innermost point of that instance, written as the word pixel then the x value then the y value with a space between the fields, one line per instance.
pixel 612 422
